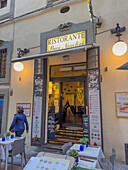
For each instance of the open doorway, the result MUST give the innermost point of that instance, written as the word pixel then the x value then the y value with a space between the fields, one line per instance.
pixel 72 103
pixel 67 102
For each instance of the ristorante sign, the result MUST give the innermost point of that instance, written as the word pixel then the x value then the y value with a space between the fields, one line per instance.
pixel 66 41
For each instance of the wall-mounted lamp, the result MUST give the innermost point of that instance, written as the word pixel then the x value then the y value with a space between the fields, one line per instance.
pixel 18 66
pixel 120 47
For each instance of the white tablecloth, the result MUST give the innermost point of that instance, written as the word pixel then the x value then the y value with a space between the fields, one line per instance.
pixel 94 153
pixel 5 147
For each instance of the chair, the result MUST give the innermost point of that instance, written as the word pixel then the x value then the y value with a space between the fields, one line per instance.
pixel 106 164
pixel 112 159
pixel 1 135
pixel 18 147
pixel 66 147
pixel 113 150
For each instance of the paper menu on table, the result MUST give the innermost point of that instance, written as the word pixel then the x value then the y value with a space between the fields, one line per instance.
pixel 87 164
pixel 47 163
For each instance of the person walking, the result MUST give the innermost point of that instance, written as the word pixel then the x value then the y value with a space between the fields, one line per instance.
pixel 18 122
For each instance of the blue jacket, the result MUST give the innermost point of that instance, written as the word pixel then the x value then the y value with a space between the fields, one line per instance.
pixel 18 122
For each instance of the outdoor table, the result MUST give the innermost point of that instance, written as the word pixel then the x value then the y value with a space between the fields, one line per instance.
pixel 72 160
pixel 5 147
pixel 91 152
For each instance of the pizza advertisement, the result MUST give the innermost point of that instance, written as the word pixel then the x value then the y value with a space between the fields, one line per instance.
pixel 121 104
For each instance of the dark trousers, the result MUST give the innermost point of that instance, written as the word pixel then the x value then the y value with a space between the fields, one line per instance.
pixel 19 133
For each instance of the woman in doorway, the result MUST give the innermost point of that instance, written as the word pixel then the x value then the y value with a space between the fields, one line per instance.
pixel 69 113
pixel 18 122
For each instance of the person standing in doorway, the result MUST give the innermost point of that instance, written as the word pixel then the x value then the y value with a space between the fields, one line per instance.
pixel 18 122
pixel 69 113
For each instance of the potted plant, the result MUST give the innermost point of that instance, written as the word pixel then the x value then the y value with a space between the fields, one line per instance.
pixel 74 154
pixel 84 141
pixel 77 168
pixel 7 134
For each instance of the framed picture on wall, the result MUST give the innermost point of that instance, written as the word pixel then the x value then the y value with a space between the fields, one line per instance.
pixel 26 106
pixel 121 104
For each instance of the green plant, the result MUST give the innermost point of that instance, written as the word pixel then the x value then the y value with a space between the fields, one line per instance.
pixel 84 141
pixel 73 153
pixel 77 168
pixel 8 133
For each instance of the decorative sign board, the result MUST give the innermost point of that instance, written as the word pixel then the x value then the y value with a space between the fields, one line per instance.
pixel 37 110
pixel 51 125
pixel 66 41
pixel 94 106
pixel 85 126
pixel 121 104
pixel 27 108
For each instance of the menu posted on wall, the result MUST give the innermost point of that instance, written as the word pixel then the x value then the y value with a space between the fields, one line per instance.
pixel 51 125
pixel 37 110
pixel 121 104
pixel 94 106
pixel 85 126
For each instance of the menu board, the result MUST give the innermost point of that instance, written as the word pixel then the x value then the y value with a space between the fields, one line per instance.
pixel 121 104
pixel 47 163
pixel 94 106
pixel 85 126
pixel 37 109
pixel 51 125
pixel 26 106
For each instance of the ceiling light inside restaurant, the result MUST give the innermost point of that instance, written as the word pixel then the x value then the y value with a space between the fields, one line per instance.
pixel 119 48
pixel 18 66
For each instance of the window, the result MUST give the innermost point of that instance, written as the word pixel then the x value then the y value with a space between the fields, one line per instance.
pixel 6 49
pixel 3 58
pixel 3 3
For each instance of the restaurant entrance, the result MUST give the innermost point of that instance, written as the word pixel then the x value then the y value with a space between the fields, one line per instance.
pixel 67 103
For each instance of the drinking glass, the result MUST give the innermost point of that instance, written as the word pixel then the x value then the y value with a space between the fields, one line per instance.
pixel 3 139
pixel 81 148
pixel 12 136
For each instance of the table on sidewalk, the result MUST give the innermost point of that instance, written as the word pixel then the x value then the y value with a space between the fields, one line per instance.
pixel 5 147
pixel 51 155
pixel 90 154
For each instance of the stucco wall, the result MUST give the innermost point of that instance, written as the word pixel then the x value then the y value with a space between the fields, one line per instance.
pixel 27 35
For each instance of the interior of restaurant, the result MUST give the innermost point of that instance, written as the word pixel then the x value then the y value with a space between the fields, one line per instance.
pixel 68 97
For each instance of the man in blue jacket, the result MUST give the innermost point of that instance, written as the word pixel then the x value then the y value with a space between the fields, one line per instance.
pixel 18 122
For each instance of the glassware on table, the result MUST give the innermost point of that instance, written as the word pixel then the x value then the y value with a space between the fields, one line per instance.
pixel 81 147
pixel 86 145
pixel 3 139
pixel 77 160
pixel 12 136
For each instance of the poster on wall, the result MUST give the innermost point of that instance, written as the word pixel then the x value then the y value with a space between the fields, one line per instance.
pixel 27 108
pixel 121 104
pixel 94 107
pixel 37 110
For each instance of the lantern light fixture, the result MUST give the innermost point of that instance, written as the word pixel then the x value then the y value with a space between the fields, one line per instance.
pixel 120 47
pixel 18 66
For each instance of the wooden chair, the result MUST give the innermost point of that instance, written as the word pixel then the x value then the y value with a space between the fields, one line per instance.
pixel 66 147
pixel 18 147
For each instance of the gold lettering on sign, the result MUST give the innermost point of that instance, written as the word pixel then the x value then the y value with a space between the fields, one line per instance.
pixel 66 41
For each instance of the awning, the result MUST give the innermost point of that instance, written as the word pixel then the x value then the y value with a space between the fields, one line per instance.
pixel 54 53
pixel 123 67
